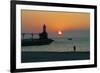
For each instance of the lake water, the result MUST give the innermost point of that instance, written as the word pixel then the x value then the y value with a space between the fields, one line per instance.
pixel 62 45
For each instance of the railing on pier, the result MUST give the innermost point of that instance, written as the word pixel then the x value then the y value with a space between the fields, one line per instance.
pixel 31 34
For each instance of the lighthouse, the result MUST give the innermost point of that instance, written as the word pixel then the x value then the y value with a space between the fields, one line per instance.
pixel 43 39
pixel 44 34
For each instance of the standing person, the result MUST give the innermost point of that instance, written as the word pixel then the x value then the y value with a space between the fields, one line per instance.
pixel 74 48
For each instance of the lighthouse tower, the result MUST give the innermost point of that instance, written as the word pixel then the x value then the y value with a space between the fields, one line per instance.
pixel 44 34
pixel 44 28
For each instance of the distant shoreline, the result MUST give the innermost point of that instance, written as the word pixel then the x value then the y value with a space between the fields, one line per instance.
pixel 53 56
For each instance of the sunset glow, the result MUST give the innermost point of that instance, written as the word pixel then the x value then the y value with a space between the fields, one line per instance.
pixel 60 32
pixel 32 21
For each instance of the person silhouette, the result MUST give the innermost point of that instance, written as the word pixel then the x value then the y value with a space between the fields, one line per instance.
pixel 74 48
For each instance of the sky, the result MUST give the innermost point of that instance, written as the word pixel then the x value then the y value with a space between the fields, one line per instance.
pixel 32 21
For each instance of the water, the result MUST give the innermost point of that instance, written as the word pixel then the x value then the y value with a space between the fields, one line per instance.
pixel 62 45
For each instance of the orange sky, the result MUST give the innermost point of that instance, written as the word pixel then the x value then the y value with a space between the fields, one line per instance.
pixel 32 21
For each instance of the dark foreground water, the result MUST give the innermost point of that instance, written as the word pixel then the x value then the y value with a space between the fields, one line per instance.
pixel 53 56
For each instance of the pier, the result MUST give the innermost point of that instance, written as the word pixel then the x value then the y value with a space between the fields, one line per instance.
pixel 42 40
pixel 31 34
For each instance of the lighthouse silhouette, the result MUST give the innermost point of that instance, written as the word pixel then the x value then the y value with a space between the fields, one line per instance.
pixel 44 34
pixel 43 39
